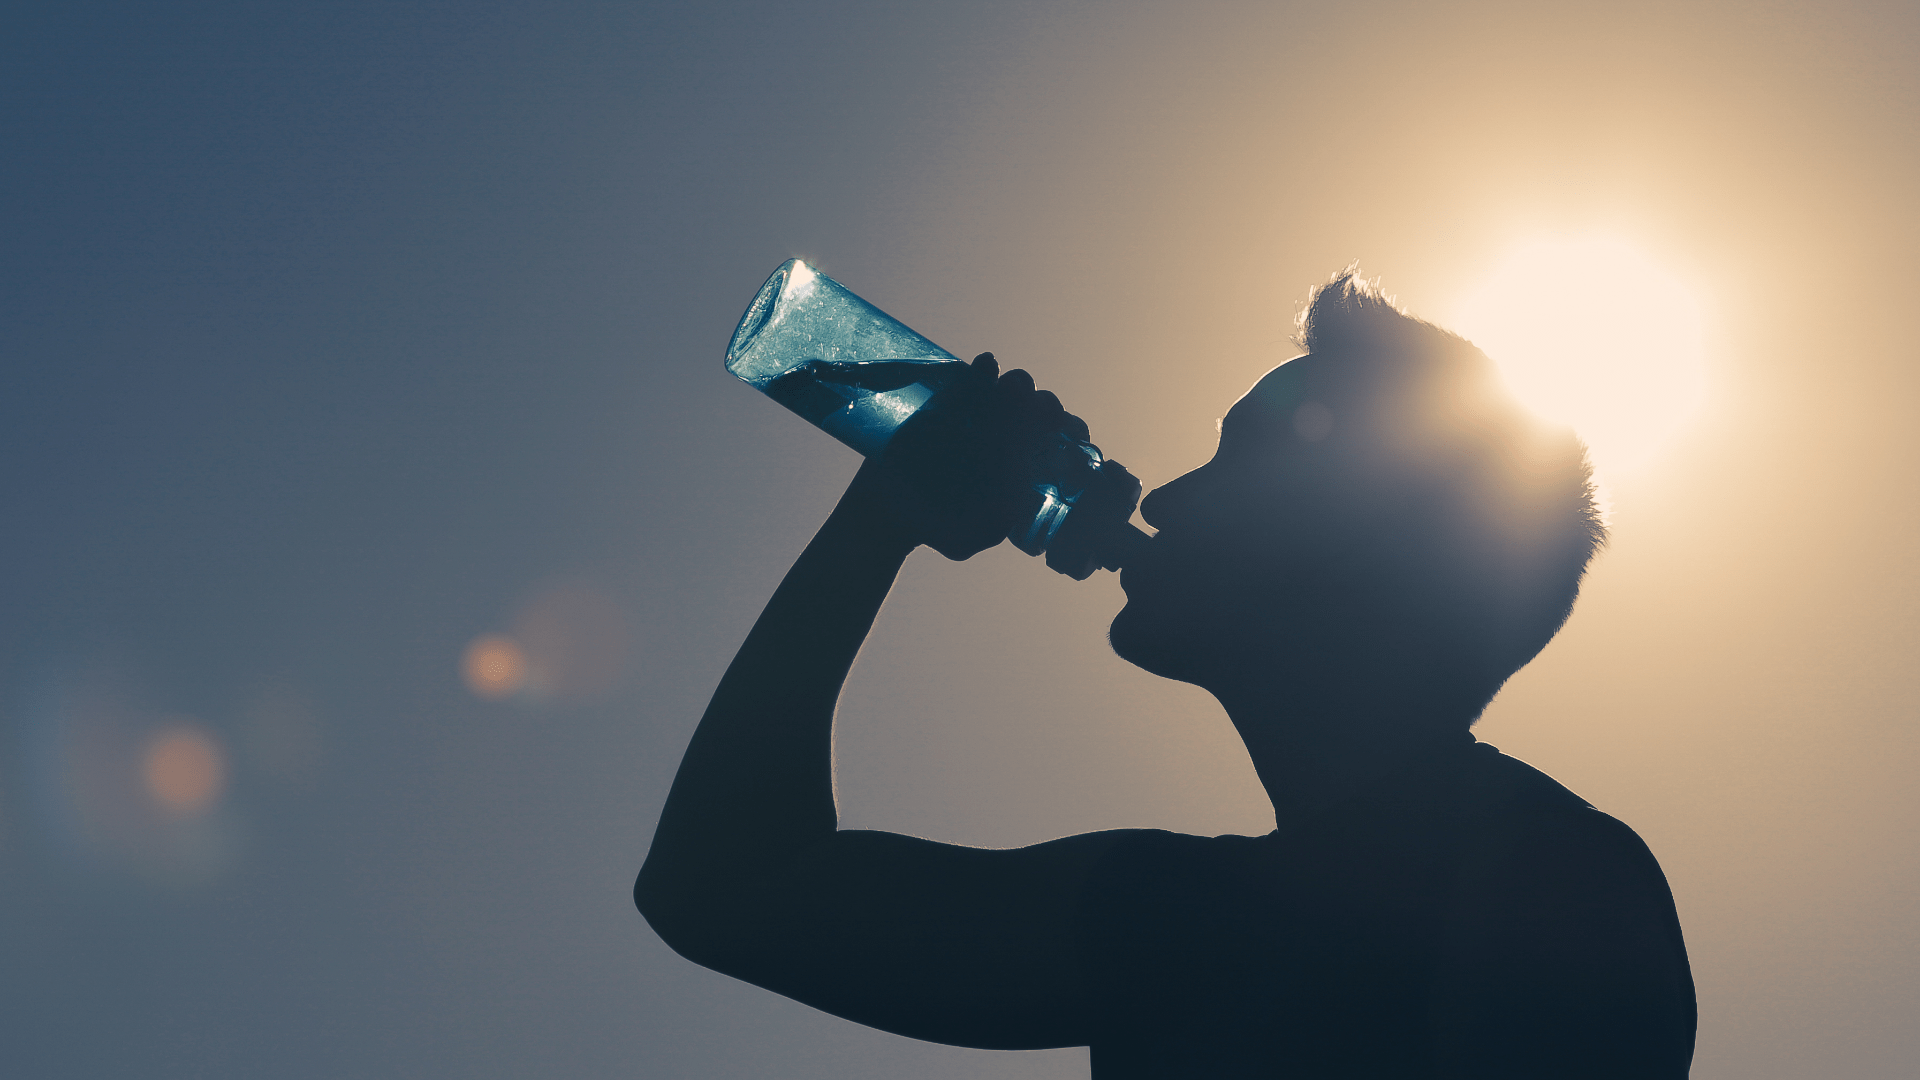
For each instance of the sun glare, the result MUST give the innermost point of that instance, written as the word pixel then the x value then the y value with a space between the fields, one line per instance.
pixel 1593 334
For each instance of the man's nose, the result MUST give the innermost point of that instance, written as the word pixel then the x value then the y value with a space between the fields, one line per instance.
pixel 1169 502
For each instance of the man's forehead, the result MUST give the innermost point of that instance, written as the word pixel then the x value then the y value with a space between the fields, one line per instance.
pixel 1278 393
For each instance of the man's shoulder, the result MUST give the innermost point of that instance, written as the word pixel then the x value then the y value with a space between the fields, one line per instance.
pixel 1501 781
pixel 1562 927
pixel 1145 862
pixel 1527 848
pixel 1530 820
pixel 1563 878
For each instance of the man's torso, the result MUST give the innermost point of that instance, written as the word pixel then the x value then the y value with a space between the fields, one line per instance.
pixel 1335 949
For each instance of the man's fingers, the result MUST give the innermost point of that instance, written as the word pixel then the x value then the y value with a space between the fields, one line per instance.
pixel 1027 405
pixel 1045 404
pixel 1018 395
pixel 1074 427
pixel 987 364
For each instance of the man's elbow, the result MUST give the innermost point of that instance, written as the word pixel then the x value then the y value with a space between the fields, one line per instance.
pixel 661 896
pixel 686 912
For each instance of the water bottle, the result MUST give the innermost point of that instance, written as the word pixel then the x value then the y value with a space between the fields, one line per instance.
pixel 859 374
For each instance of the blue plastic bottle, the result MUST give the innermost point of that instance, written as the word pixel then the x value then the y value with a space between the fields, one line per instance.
pixel 858 374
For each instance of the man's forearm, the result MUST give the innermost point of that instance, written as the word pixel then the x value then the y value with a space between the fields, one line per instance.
pixel 756 785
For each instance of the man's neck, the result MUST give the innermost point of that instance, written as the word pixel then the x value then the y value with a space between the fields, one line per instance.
pixel 1314 752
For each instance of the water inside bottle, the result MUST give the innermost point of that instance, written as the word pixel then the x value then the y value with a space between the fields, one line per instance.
pixel 812 345
pixel 862 403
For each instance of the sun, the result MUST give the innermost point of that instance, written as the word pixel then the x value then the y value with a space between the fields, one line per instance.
pixel 1594 334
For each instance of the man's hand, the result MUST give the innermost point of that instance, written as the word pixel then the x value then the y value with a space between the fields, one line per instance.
pixel 954 475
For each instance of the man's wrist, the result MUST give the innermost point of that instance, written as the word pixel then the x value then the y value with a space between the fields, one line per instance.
pixel 865 519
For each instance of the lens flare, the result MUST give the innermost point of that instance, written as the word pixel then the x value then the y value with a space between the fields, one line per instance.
pixel 1594 334
pixel 494 666
pixel 577 640
pixel 184 770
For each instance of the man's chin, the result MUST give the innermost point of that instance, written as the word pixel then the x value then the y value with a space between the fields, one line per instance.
pixel 1145 642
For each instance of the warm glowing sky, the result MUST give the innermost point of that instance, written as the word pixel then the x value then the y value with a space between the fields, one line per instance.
pixel 381 515
pixel 1593 333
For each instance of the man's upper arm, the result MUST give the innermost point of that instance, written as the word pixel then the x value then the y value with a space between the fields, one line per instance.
pixel 1563 957
pixel 968 946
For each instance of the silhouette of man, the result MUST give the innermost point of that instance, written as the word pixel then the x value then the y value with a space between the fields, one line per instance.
pixel 1381 539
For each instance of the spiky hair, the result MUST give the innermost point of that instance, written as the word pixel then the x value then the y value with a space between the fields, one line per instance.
pixel 1350 311
pixel 1519 495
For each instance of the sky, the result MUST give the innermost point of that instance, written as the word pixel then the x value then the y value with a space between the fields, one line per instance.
pixel 334 340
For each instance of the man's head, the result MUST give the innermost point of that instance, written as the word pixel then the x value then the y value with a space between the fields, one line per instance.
pixel 1379 515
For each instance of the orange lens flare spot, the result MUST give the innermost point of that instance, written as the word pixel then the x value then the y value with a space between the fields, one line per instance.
pixel 494 667
pixel 184 769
